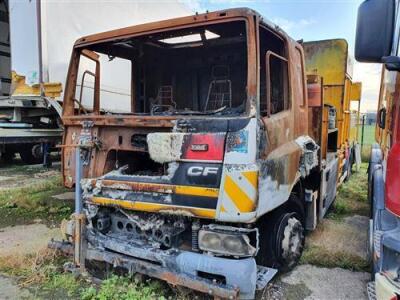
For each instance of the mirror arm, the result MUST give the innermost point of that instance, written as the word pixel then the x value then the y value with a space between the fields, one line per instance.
pixel 392 63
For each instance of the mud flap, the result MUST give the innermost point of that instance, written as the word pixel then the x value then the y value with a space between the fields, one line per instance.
pixel 264 276
pixel 328 186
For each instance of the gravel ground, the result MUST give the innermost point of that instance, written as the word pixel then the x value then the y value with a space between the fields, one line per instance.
pixel 26 239
pixel 310 283
pixel 10 290
pixel 324 283
pixel 20 175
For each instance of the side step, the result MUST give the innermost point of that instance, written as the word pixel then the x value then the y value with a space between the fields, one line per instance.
pixel 371 290
pixel 264 275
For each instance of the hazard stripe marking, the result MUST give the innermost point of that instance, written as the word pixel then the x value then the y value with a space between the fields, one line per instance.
pixel 252 177
pixel 223 208
pixel 238 197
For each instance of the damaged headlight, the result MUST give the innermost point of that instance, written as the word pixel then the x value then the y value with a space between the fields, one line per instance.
pixel 219 240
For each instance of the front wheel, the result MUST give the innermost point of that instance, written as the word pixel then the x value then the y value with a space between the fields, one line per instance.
pixel 282 238
pixel 290 240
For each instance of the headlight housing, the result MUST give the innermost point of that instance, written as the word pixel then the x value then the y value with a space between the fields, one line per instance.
pixel 226 240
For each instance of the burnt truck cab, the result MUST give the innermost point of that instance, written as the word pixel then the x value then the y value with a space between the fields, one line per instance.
pixel 201 171
pixel 380 43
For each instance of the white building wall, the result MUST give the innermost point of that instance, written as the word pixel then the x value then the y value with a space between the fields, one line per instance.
pixel 63 22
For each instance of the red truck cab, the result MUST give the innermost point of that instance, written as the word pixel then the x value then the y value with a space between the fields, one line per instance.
pixel 380 44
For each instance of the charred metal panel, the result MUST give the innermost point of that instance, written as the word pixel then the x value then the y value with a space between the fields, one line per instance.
pixel 278 174
pixel 211 125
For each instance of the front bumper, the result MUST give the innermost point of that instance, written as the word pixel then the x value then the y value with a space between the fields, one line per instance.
pixel 385 239
pixel 216 276
pixel 29 135
pixel 384 289
pixel 240 275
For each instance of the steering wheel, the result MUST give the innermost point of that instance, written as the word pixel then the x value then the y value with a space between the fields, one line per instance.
pixel 158 108
pixel 81 107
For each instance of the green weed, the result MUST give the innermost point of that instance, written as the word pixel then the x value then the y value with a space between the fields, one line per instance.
pixel 322 257
pixel 123 288
pixel 352 197
pixel 23 204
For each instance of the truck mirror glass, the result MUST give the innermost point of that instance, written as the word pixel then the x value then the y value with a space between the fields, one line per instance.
pixel 375 30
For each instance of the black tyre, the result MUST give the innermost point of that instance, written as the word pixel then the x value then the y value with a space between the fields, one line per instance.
pixel 282 236
pixel 7 156
pixel 27 156
pixel 370 249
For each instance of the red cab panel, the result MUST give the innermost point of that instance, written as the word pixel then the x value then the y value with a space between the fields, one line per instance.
pixel 392 184
pixel 209 147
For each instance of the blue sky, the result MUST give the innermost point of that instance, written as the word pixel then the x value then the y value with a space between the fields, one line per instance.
pixel 307 19
pixel 311 20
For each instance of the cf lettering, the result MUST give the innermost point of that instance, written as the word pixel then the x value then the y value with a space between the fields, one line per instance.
pixel 195 171
pixel 202 171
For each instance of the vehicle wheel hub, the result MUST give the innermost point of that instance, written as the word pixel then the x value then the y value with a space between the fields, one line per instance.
pixel 292 241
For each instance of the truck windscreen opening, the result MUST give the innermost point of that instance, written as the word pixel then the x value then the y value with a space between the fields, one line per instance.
pixel 195 70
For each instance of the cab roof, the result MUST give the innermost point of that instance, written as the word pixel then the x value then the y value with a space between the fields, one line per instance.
pixel 180 22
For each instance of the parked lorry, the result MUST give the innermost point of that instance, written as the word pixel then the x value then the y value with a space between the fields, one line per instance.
pixel 30 123
pixel 219 165
pixel 377 40
pixel 30 117
pixel 330 60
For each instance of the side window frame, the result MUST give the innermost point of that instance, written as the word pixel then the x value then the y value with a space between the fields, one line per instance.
pixel 303 77
pixel 266 112
pixel 286 99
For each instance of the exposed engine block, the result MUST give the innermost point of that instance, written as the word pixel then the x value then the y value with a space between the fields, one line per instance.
pixel 156 229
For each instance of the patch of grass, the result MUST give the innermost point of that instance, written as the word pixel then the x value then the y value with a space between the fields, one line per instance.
pixel 33 268
pixel 32 196
pixel 61 285
pixel 339 240
pixel 24 204
pixel 368 140
pixel 352 197
pixel 121 288
pixel 43 272
pixel 369 134
pixel 322 257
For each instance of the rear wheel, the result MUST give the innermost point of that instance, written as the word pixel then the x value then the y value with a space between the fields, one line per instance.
pixel 28 157
pixel 282 237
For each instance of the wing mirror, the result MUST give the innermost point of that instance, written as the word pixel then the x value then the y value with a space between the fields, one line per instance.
pixel 375 30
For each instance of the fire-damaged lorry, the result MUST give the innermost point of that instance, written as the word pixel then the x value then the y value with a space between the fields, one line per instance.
pixel 210 164
pixel 381 44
